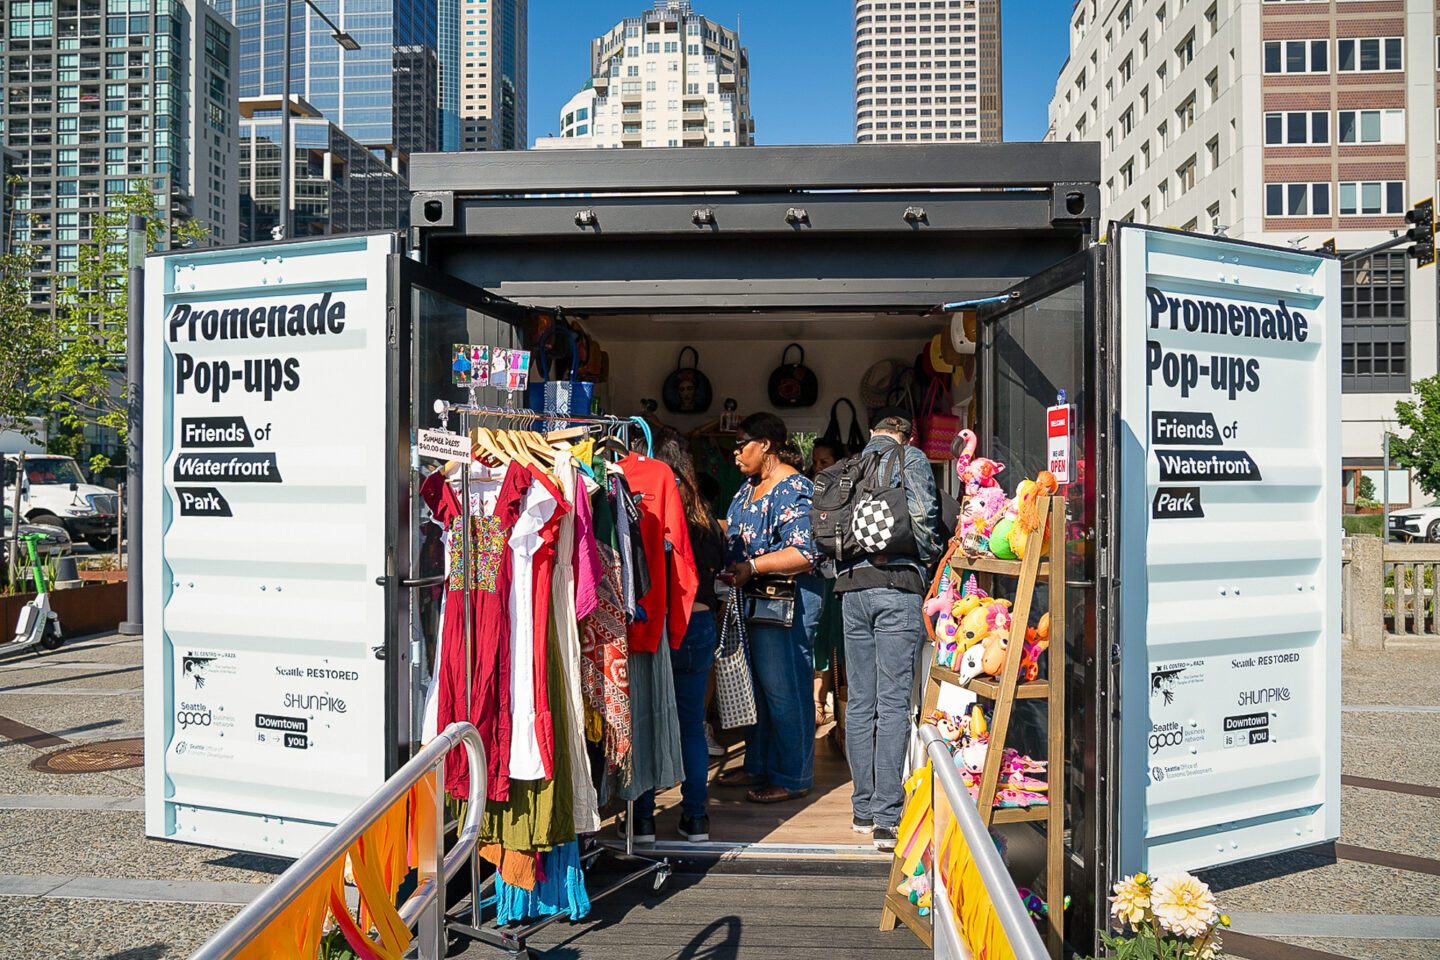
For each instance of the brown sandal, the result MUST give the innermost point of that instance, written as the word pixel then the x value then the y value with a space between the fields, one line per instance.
pixel 774 795
pixel 738 778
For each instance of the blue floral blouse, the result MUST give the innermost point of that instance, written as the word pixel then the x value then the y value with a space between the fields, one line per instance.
pixel 777 520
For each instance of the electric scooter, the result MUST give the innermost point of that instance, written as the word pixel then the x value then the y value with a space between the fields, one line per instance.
pixel 38 625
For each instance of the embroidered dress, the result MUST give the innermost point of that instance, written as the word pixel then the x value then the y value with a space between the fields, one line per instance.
pixel 490 706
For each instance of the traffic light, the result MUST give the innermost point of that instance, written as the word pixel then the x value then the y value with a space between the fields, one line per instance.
pixel 1421 217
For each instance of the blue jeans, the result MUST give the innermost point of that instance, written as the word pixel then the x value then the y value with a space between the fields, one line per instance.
pixel 883 637
pixel 780 749
pixel 690 665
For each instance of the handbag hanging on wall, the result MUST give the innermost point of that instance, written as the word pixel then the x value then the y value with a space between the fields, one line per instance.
pixel 686 389
pixel 937 425
pixel 793 384
pixel 571 397
pixel 854 441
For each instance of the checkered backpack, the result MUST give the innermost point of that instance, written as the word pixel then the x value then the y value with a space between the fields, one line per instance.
pixel 859 507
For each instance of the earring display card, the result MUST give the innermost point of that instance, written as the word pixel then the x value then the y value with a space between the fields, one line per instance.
pixel 470 366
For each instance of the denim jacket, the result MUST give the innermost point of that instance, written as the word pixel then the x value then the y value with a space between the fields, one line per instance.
pixel 920 495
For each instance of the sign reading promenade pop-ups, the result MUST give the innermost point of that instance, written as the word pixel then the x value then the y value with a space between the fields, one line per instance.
pixel 1229 542
pixel 264 526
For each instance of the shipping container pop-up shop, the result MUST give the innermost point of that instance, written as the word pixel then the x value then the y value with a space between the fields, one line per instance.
pixel 287 644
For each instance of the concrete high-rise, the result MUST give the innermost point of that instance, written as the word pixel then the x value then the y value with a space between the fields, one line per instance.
pixel 927 71
pixel 667 78
pixel 494 72
pixel 98 105
pixel 1282 123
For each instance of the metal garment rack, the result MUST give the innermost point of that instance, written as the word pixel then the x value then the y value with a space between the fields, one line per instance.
pixel 516 942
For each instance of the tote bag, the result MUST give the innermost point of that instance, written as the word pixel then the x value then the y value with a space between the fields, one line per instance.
pixel 734 687
pixel 571 397
pixel 937 425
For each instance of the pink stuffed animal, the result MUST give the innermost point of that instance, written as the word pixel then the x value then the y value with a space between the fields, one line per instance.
pixel 975 472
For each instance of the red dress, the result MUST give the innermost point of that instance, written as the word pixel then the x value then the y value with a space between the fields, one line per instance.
pixel 662 523
pixel 488 602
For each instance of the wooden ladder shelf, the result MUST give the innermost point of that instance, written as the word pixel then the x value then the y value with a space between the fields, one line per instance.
pixel 1003 691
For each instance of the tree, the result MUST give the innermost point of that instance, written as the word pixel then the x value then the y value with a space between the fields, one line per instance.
pixel 84 385
pixel 1420 451
pixel 26 334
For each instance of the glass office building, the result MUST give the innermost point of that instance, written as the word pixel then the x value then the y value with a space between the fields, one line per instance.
pixel 341 186
pixel 361 91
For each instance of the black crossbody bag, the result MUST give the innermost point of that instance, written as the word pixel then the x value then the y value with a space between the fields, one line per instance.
pixel 770 601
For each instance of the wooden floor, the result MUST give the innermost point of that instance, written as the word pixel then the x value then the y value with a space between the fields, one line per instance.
pixel 821 819
pixel 720 916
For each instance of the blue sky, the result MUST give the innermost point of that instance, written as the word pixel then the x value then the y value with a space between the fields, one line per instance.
pixel 801 55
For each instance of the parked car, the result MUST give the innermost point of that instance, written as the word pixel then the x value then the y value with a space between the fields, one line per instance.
pixel 56 543
pixel 1417 523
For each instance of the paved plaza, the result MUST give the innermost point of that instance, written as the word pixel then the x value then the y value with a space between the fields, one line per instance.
pixel 79 880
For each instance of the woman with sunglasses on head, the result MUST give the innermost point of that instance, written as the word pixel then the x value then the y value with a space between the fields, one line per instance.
pixel 768 540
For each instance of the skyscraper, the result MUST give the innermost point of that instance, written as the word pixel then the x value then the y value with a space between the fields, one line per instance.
pixel 370 93
pixel 494 72
pixel 667 78
pixel 98 105
pixel 927 72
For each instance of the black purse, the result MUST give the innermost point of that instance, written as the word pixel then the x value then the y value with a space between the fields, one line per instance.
pixel 793 384
pixel 770 602
pixel 855 442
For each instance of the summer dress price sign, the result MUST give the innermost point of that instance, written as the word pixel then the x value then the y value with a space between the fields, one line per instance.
pixel 265 452
pixel 1229 534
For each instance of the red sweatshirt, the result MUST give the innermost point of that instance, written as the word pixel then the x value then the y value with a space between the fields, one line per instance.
pixel 673 583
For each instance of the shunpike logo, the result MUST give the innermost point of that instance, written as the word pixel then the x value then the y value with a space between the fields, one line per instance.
pixel 314 701
pixel 1262 695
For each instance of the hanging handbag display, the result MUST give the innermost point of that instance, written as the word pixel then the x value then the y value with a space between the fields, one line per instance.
pixel 855 441
pixel 937 425
pixel 770 602
pixel 734 686
pixel 686 389
pixel 571 397
pixel 793 384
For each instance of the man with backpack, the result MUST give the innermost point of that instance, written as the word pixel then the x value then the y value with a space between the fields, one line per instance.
pixel 878 516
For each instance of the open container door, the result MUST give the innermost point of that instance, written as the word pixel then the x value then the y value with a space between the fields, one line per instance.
pixel 1051 335
pixel 1229 509
pixel 280 646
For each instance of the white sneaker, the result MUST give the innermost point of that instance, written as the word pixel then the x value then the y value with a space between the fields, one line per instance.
pixel 716 750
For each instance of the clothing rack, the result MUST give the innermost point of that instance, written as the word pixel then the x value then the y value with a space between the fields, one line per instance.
pixel 515 941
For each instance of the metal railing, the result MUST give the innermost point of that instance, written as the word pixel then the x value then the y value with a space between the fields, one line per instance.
pixel 952 803
pixel 426 905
